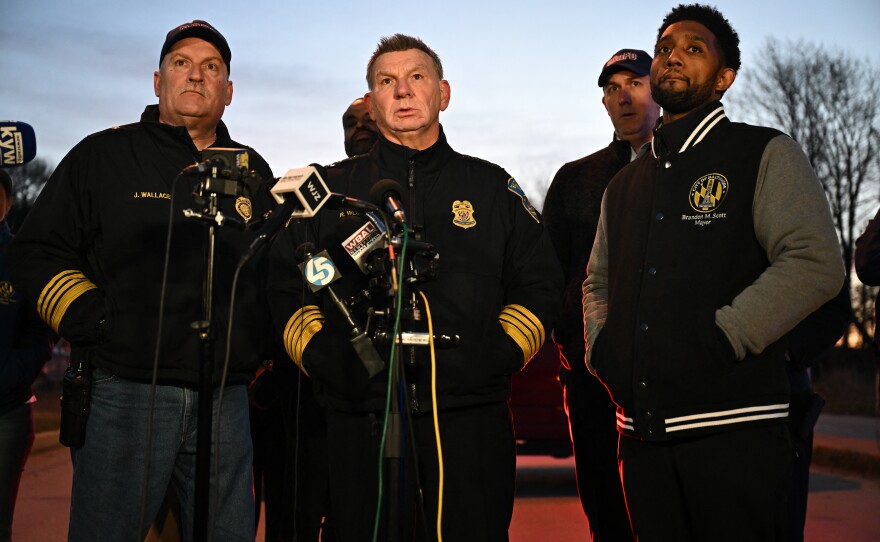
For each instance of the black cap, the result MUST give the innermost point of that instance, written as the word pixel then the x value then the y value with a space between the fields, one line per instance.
pixel 633 60
pixel 197 29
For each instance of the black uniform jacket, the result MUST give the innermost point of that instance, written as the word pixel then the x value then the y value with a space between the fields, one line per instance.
pixel 498 283
pixel 91 255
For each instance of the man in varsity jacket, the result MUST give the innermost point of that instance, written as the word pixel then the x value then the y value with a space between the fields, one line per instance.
pixel 709 250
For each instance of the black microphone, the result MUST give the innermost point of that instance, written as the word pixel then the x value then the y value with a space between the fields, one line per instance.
pixel 203 168
pixel 219 162
pixel 272 223
pixel 343 202
pixel 320 272
pixel 387 193
pixel 360 238
pixel 18 143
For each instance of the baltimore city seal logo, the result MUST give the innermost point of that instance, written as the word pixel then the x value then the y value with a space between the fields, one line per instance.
pixel 708 192
pixel 463 214
pixel 243 206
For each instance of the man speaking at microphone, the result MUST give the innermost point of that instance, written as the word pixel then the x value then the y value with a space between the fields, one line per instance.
pixel 92 252
pixel 497 287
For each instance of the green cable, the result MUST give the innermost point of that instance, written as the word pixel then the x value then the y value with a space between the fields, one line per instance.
pixel 390 379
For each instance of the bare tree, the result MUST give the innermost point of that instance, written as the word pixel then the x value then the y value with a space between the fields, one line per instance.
pixel 829 102
pixel 28 180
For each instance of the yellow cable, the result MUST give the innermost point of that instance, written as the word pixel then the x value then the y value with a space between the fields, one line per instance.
pixel 436 422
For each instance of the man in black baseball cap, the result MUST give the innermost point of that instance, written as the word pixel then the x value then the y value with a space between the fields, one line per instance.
pixel 571 212
pixel 197 29
pixel 634 60
pixel 88 247
pixel 192 82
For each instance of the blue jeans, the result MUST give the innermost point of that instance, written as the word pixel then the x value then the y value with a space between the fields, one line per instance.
pixel 108 470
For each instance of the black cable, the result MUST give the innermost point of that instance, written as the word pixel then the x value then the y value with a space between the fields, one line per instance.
pixel 155 375
pixel 296 436
pixel 420 492
pixel 225 371
pixel 234 290
pixel 391 368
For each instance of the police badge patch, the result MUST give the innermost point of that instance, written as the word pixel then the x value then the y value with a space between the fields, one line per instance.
pixel 515 188
pixel 463 214
pixel 7 293
pixel 708 192
pixel 243 206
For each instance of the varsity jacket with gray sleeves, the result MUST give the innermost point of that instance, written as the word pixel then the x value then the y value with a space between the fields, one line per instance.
pixel 709 250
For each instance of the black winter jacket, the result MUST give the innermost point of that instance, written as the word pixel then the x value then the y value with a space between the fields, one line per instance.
pixel 496 264
pixel 571 212
pixel 24 340
pixel 91 255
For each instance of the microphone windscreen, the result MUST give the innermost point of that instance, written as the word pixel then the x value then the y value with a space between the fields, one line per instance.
pixel 384 189
pixel 303 251
pixel 18 143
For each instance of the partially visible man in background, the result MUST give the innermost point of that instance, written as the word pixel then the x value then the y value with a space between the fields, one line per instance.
pixel 360 129
pixel 571 212
pixel 24 348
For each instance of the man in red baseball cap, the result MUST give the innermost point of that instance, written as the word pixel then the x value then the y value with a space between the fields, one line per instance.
pixel 571 211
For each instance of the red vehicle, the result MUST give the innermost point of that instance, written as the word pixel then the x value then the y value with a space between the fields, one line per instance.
pixel 539 420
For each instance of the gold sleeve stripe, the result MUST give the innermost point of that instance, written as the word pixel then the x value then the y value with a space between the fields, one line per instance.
pixel 59 293
pixel 524 328
pixel 300 329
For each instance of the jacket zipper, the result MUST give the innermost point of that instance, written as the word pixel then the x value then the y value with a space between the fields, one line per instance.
pixel 411 182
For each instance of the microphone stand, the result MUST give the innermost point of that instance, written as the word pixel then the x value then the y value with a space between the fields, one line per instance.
pixel 207 337
pixel 394 444
pixel 394 453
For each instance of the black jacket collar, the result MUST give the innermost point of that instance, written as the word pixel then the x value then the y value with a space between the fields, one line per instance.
pixel 396 158
pixel 687 132
pixel 150 116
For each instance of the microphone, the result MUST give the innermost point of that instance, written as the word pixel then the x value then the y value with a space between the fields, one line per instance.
pixel 318 269
pixel 224 171
pixel 301 193
pixel 361 238
pixel 343 202
pixel 18 143
pixel 305 187
pixel 270 226
pixel 220 162
pixel 387 192
pixel 202 168
pixel 320 272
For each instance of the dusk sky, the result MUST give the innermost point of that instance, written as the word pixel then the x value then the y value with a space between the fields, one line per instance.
pixel 523 74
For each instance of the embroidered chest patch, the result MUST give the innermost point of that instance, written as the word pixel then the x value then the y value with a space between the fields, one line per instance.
pixel 7 293
pixel 514 187
pixel 243 206
pixel 463 214
pixel 708 192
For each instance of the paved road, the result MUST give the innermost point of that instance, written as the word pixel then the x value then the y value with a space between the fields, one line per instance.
pixel 859 427
pixel 841 507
